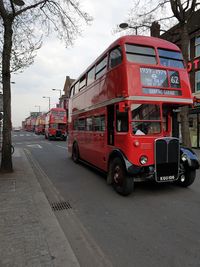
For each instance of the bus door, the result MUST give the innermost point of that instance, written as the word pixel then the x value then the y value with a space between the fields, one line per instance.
pixel 110 124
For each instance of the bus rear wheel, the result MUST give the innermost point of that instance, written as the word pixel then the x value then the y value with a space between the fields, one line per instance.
pixel 75 153
pixel 121 182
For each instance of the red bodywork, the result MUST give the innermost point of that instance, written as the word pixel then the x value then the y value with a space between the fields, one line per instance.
pixel 55 124
pixel 30 124
pixel 40 124
pixel 117 90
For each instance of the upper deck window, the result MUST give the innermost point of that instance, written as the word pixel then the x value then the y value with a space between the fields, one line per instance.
pixel 91 76
pixel 101 68
pixel 72 92
pixel 76 88
pixel 140 54
pixel 115 57
pixel 170 58
pixel 82 82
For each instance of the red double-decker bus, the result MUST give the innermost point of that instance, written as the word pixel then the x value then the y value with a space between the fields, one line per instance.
pixel 55 124
pixel 123 114
pixel 40 124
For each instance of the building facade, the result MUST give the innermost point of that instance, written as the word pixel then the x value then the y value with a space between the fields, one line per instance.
pixel 63 101
pixel 173 35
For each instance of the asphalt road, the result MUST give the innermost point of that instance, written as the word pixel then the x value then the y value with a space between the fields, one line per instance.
pixel 158 225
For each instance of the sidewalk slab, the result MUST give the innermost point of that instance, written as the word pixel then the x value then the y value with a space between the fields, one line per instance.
pixel 30 234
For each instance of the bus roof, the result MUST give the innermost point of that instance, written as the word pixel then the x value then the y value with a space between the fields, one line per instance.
pixel 145 40
pixel 57 109
pixel 134 39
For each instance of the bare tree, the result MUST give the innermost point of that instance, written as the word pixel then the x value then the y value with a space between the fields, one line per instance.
pixel 22 28
pixel 167 13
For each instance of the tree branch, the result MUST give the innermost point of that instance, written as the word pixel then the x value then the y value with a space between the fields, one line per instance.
pixel 2 10
pixel 192 9
pixel 43 2
pixel 188 3
pixel 12 6
pixel 155 8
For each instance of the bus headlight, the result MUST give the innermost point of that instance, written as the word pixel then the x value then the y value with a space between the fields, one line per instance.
pixel 183 157
pixel 143 160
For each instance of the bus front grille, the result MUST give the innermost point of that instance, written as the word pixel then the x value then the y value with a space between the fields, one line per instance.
pixel 167 159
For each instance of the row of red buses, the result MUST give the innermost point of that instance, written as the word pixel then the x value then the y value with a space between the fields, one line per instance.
pixel 40 124
pixel 56 124
pixel 123 110
pixel 30 124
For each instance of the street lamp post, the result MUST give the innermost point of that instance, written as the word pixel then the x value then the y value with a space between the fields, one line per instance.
pixel 60 94
pixel 58 90
pixel 125 25
pixel 49 101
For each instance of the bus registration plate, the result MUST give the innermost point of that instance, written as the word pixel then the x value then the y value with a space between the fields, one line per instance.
pixel 166 178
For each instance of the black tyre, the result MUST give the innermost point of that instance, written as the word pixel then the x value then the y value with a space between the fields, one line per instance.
pixel 49 138
pixel 75 153
pixel 187 178
pixel 121 182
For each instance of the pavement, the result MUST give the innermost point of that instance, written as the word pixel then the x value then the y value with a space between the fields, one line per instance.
pixel 30 234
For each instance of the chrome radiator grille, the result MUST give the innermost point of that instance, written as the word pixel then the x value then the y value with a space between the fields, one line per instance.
pixel 167 159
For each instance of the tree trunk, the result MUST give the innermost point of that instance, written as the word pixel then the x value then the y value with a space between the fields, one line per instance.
pixel 185 110
pixel 6 161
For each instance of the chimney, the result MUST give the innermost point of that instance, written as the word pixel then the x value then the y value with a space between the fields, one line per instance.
pixel 155 29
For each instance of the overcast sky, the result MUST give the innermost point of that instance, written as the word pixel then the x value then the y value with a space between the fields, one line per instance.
pixel 54 62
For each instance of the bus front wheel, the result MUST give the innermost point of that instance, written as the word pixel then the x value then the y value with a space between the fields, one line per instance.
pixel 121 182
pixel 187 178
pixel 75 153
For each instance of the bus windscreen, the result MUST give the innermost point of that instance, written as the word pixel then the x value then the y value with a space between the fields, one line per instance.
pixel 146 119
pixel 140 54
pixel 171 58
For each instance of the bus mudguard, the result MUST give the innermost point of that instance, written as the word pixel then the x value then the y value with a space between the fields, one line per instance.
pixel 130 168
pixel 189 158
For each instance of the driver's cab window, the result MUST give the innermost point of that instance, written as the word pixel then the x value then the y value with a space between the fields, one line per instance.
pixel 146 119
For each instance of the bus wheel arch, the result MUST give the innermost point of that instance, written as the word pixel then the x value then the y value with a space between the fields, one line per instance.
pixel 75 152
pixel 122 183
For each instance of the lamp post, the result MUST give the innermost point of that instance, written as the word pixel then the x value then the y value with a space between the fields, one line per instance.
pixel 49 100
pixel 57 90
pixel 125 25
pixel 38 108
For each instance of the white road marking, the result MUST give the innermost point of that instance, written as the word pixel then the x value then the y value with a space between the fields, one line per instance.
pixel 61 147
pixel 46 142
pixel 35 146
